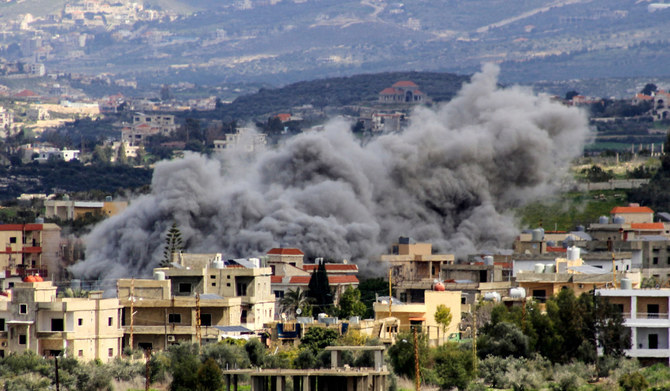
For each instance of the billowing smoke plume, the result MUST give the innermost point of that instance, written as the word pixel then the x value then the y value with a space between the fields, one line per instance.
pixel 450 178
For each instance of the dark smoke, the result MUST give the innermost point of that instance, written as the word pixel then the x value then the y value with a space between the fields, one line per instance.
pixel 450 178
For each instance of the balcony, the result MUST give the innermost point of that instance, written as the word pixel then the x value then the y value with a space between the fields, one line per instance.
pixel 648 353
pixel 651 315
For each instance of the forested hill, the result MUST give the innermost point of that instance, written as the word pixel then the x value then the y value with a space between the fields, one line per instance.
pixel 339 91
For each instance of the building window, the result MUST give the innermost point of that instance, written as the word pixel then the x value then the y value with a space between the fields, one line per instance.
pixel 213 277
pixel 110 321
pixel 110 352
pixel 184 287
pixel 12 239
pixel 655 261
pixel 22 339
pixel 228 284
pixel 80 353
pixel 214 284
pixel 206 319
pixel 2 324
pixel 23 309
pixel 57 324
pixel 80 322
pixel 279 294
pixel 174 318
pixel 241 289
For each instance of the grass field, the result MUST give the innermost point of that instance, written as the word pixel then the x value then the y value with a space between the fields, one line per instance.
pixel 569 210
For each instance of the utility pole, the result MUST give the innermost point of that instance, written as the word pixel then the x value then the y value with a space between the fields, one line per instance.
pixel 417 373
pixel 132 311
pixel 474 339
pixel 390 290
pixel 57 379
pixel 198 335
pixel 165 322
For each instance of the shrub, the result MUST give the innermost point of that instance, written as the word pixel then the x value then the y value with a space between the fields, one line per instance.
pixel 634 381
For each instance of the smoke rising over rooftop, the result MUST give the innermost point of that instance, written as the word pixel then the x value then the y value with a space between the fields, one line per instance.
pixel 449 178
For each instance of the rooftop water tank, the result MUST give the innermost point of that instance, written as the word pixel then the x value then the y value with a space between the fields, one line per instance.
pixel 255 261
pixel 626 283
pixel 39 220
pixel 604 220
pixel 618 220
pixel 108 198
pixel 537 235
pixel 38 278
pixel 580 228
pixel 550 269
pixel 488 260
pixel 75 284
pixel 538 268
pixel 517 293
pixel 492 296
pixel 439 287
pixel 218 264
pixel 551 243
pixel 574 253
pixel 159 275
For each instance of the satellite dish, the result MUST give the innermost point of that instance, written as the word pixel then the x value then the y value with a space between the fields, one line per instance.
pixel 298 311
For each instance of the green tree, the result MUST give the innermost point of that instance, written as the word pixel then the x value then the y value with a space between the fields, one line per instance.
pixel 173 244
pixel 319 289
pixel 350 303
pixel 649 88
pixel 122 157
pixel 294 300
pixel 255 351
pixel 317 338
pixel 443 317
pixel 504 339
pixel 209 376
pixel 102 154
pixel 453 366
pixel 184 366
pixel 401 354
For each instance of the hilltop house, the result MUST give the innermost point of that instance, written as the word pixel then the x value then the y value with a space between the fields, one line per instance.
pixel 403 91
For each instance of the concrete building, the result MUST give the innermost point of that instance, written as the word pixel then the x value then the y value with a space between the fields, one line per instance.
pixel 404 91
pixel 145 125
pixel 646 315
pixel 29 249
pixel 411 261
pixel 72 210
pixel 289 272
pixel 199 296
pixel 34 318
pixel 244 139
pixel 65 155
pixel 422 314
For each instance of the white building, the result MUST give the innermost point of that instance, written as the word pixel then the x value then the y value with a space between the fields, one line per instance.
pixel 646 315
pixel 64 154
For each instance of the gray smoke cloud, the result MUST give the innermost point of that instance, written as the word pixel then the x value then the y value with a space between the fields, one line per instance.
pixel 450 178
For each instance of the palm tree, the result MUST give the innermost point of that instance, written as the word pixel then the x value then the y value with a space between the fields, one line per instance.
pixel 294 300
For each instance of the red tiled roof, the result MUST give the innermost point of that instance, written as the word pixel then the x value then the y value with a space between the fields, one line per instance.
pixel 405 83
pixel 285 251
pixel 631 209
pixel 331 267
pixel 389 91
pixel 654 226
pixel 304 280
pixel 283 117
pixel 276 279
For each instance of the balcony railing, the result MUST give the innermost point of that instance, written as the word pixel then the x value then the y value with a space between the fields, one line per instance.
pixel 651 315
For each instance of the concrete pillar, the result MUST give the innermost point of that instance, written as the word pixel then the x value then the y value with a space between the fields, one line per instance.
pixel 281 383
pixel 633 307
pixel 305 383
pixel 378 360
pixel 334 356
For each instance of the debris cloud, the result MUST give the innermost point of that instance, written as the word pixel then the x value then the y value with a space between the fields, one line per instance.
pixel 449 178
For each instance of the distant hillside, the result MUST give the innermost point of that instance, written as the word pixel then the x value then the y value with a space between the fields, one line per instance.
pixel 339 91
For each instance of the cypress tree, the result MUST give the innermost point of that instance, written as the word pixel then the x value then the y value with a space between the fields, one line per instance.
pixel 173 244
pixel 319 289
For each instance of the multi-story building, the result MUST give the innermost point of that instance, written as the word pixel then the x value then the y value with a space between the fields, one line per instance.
pixel 645 312
pixel 146 125
pixel 34 318
pixel 199 296
pixel 245 139
pixel 29 248
pixel 290 273
pixel 411 261
pixel 403 91
pixel 73 210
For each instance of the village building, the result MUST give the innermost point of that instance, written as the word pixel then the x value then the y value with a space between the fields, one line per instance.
pixel 67 209
pixel 403 92
pixel 199 297
pixel 33 317
pixel 29 248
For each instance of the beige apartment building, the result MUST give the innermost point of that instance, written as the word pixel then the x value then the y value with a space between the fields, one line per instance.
pixel 73 210
pixel 411 261
pixel 199 297
pixel 29 248
pixel 33 318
